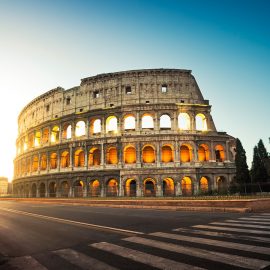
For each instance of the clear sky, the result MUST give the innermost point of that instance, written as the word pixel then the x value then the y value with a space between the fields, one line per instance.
pixel 226 44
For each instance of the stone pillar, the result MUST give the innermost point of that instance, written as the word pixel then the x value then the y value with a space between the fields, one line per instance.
pixel 87 131
pixel 138 122
pixel 102 160
pixel 192 121
pixel 159 191
pixel 195 187
pixel 158 154
pixel 58 160
pixel 138 154
pixel 175 122
pixel 84 189
pixel 121 190
pixel 178 190
pixel 156 122
pixel 60 133
pixel 138 188
pixel 70 156
pixel 103 126
pixel 212 151
pixel 176 153
pixel 85 157
pixel 227 151
pixel 39 162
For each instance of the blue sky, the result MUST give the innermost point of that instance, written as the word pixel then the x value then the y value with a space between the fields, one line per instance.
pixel 44 44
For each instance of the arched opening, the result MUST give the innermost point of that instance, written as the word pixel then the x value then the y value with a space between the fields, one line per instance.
pixel 222 185
pixel 201 123
pixel 130 155
pixel 112 188
pixel 149 187
pixel 31 140
pixel 52 189
pixel 203 153
pixel 111 124
pixel 94 188
pixel 42 190
pixel 112 157
pixel 220 154
pixel 186 185
pixel 35 164
pixel 94 157
pixel 66 132
pixel 34 191
pixel 168 187
pixel 129 122
pixel 184 121
pixel 148 154
pixel 37 138
pixel 43 165
pixel 166 154
pixel 185 153
pixel 25 144
pixel 65 160
pixel 165 122
pixel 80 129
pixel 147 121
pixel 55 134
pixel 64 189
pixel 78 188
pixel 130 188
pixel 53 161
pixel 79 158
pixel 45 135
pixel 204 185
pixel 95 126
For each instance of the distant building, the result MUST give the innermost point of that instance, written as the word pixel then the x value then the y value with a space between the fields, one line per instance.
pixel 3 186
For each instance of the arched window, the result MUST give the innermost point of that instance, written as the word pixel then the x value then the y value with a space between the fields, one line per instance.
pixel 67 132
pixel 25 144
pixel 184 121
pixel 53 161
pixel 148 154
pixel 94 157
pixel 78 188
pixel 65 159
pixel 37 138
pixel 43 162
pixel 79 158
pixel 168 187
pixel 112 188
pixel 186 185
pixel 220 154
pixel 204 184
pixel 130 187
pixel 45 135
pixel 166 154
pixel 35 164
pixel 222 185
pixel 31 140
pixel 201 123
pixel 94 188
pixel 147 121
pixel 130 155
pixel 185 153
pixel 203 153
pixel 64 189
pixel 165 121
pixel 129 122
pixel 80 129
pixel 112 156
pixel 111 124
pixel 55 134
pixel 96 126
pixel 149 187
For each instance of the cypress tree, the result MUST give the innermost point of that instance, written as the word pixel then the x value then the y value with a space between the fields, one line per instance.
pixel 256 166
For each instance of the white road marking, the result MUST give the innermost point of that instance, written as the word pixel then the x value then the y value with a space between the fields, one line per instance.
pixel 25 263
pixel 241 225
pixel 254 219
pixel 249 222
pixel 138 256
pixel 83 261
pixel 248 263
pixel 261 217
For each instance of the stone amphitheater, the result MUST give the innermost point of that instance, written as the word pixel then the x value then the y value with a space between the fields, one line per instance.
pixel 132 133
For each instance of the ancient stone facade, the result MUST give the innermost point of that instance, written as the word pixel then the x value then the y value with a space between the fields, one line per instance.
pixel 131 133
pixel 3 186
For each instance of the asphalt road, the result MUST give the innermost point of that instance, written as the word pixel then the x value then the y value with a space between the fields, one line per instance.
pixel 50 236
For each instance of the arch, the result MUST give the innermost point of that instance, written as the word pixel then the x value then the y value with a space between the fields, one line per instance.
pixel 43 161
pixel 186 153
pixel 220 153
pixel 35 164
pixel 55 134
pixel 42 190
pixel 65 159
pixel 112 157
pixel 129 122
pixel 67 131
pixel 203 153
pixel 111 124
pixel 45 135
pixel 130 187
pixel 112 188
pixel 166 154
pixel 53 161
pixel 129 155
pixel 64 189
pixel 148 154
pixel 79 158
pixel 34 190
pixel 147 121
pixel 31 140
pixel 37 138
pixel 222 186
pixel 94 157
pixel 165 122
pixel 184 121
pixel 80 128
pixel 168 187
pixel 149 187
pixel 78 188
pixel 52 189
pixel 200 121
pixel 25 144
pixel 186 185
pixel 94 188
pixel 204 184
pixel 95 126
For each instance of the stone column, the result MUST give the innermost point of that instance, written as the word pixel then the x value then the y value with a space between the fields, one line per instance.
pixel 87 129
pixel 138 122
pixel 178 191
pixel 156 122
pixel 158 154
pixel 121 190
pixel 70 156
pixel 58 160
pixel 138 154
pixel 227 151
pixel 102 154
pixel 192 121
pixel 85 157
pixel 212 151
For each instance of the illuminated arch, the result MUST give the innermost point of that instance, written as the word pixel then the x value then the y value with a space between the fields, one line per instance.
pixel 149 187
pixel 166 154
pixel 112 157
pixel 35 164
pixel 53 161
pixel 52 189
pixel 186 185
pixel 129 122
pixel 65 160
pixel 78 188
pixel 222 185
pixel 148 154
pixel 64 189
pixel 94 157
pixel 130 155
pixel 45 135
pixel 55 134
pixel 165 122
pixel 204 185
pixel 25 143
pixel 31 140
pixel 168 187
pixel 67 132
pixel 130 187
pixel 80 129
pixel 185 153
pixel 203 153
pixel 79 158
pixel 37 138
pixel 201 123
pixel 43 165
pixel 184 121
pixel 94 188
pixel 112 188
pixel 147 121
pixel 95 126
pixel 220 154
pixel 111 124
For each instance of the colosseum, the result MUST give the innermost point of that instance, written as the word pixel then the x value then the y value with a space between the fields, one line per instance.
pixel 132 133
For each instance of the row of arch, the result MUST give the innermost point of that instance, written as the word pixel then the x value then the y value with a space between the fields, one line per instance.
pixel 148 155
pixel 52 135
pixel 111 188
